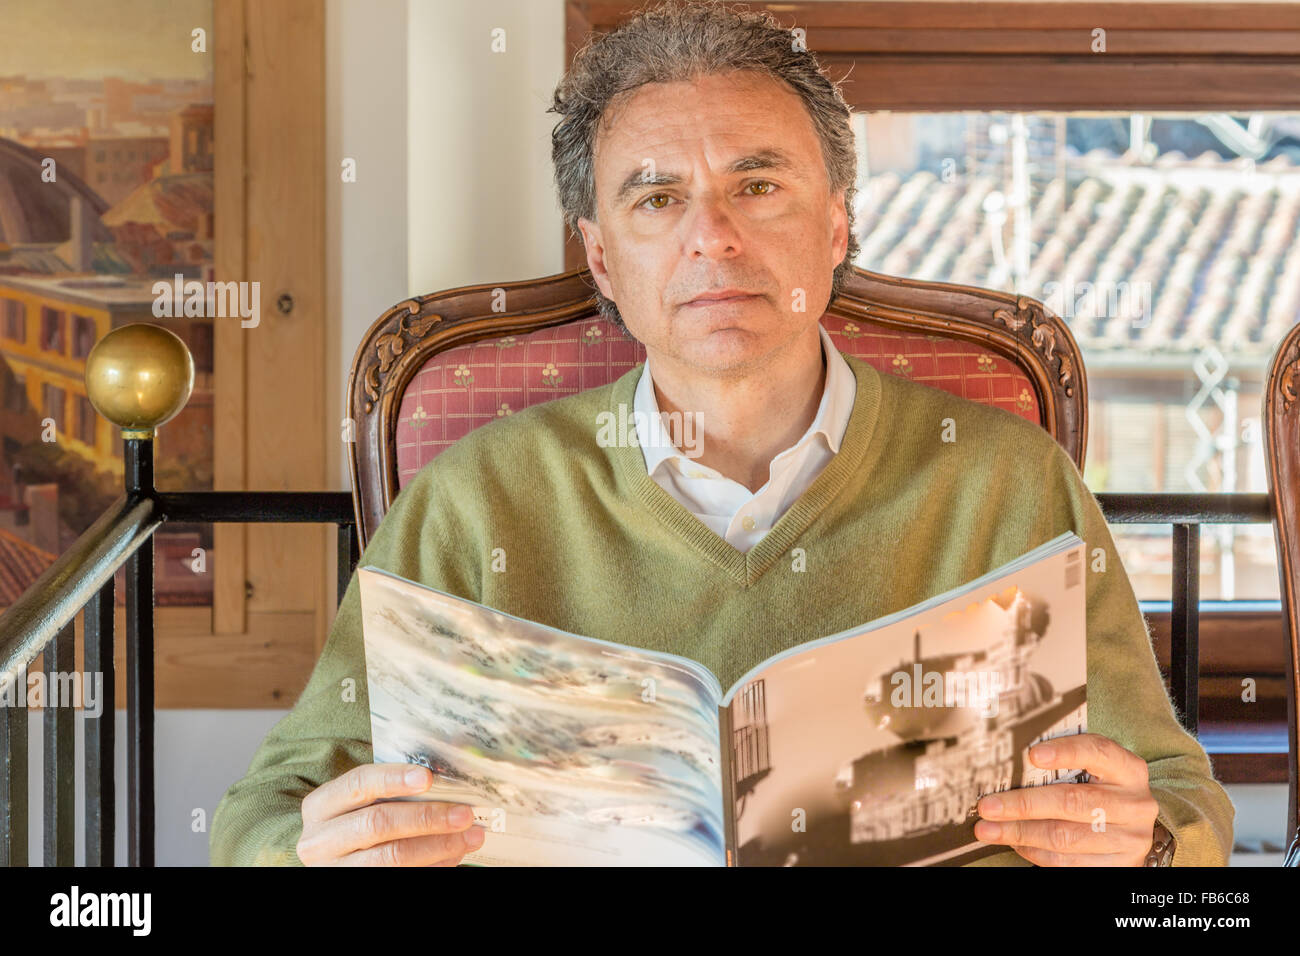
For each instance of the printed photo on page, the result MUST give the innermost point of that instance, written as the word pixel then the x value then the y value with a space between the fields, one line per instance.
pixel 572 751
pixel 876 751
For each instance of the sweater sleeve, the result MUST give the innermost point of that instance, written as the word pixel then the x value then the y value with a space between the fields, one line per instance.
pixel 1127 699
pixel 259 820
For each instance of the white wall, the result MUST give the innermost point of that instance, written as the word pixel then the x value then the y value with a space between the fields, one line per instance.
pixel 482 206
pixel 452 144
pixel 198 754
pixel 365 221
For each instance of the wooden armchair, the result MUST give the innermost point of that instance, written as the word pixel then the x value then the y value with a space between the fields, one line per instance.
pixel 435 367
pixel 1281 413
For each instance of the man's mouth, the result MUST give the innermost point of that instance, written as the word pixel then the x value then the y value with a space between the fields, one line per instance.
pixel 723 301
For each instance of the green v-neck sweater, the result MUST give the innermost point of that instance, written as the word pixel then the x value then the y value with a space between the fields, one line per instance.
pixel 546 515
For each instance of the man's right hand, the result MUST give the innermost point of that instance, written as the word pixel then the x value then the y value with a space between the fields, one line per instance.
pixel 343 825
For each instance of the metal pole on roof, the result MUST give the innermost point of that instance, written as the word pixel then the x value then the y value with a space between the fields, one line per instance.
pixel 1020 200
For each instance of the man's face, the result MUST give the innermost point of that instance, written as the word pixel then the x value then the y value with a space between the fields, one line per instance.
pixel 771 229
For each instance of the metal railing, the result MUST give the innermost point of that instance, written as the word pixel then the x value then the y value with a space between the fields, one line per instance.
pixel 43 621
pixel 1186 513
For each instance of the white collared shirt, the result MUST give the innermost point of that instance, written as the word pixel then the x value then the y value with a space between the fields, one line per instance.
pixel 726 506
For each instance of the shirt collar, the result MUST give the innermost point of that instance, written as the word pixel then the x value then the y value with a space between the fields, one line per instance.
pixel 831 421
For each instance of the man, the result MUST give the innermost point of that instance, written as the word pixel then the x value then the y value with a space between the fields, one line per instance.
pixel 709 167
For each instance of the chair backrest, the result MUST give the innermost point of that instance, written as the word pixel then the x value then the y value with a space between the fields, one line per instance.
pixel 433 368
pixel 1281 416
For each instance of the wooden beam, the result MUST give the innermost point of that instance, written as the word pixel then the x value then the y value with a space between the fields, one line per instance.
pixel 286 353
pixel 924 19
pixel 229 413
pixel 1113 83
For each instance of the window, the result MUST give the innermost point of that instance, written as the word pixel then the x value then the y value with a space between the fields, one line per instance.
pixel 15 320
pixel 52 323
pixel 1134 428
pixel 1168 253
pixel 52 405
pixel 83 335
pixel 87 420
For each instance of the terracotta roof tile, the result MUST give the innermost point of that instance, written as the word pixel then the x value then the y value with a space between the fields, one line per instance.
pixel 1218 248
pixel 21 563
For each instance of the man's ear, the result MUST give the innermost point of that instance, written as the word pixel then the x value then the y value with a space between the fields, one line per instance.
pixel 595 250
pixel 839 229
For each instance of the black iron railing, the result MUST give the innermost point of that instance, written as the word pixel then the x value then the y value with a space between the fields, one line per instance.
pixel 83 577
pixel 43 620
pixel 1186 513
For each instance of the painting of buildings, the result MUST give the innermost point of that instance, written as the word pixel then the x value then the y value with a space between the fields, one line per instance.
pixel 106 189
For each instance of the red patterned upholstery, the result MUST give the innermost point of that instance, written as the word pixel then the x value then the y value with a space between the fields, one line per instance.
pixel 464 387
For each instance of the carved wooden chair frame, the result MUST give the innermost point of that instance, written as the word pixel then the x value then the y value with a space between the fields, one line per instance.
pixel 1281 413
pixel 407 335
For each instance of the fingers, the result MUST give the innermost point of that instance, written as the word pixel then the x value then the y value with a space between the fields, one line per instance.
pixel 362 786
pixel 1079 802
pixel 1105 760
pixel 1103 823
pixel 1065 839
pixel 444 849
pixel 383 823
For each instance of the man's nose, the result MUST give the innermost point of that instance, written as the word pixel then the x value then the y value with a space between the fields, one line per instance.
pixel 713 225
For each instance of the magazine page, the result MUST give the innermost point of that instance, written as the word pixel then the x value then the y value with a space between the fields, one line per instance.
pixel 573 751
pixel 873 748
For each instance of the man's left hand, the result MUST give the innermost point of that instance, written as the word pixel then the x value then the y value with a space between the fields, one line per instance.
pixel 1106 822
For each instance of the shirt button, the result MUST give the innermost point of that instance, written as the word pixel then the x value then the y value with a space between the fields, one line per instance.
pixel 748 522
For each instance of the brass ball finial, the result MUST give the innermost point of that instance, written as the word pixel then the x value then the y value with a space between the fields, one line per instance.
pixel 138 377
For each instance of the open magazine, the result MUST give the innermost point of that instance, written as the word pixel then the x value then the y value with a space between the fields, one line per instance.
pixel 867 747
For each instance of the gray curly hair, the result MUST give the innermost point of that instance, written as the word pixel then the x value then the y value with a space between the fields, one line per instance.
pixel 676 42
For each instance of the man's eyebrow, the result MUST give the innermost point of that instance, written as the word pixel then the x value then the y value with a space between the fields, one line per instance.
pixel 769 158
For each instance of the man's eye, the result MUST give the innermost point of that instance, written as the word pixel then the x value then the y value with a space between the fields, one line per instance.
pixel 761 182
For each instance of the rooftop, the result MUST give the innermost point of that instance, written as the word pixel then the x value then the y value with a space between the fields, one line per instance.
pixel 1214 244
